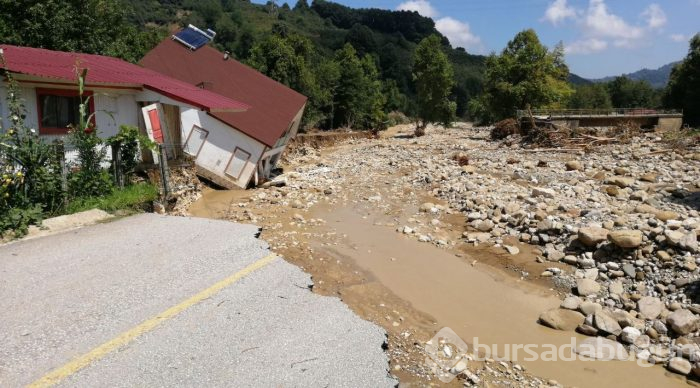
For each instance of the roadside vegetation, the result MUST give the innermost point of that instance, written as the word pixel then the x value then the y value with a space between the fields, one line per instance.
pixel 38 181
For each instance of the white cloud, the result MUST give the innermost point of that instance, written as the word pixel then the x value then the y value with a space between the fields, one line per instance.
pixel 423 7
pixel 678 38
pixel 600 23
pixel 655 16
pixel 558 11
pixel 586 46
pixel 459 33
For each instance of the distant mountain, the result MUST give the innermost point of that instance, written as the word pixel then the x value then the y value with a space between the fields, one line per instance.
pixel 657 78
pixel 577 80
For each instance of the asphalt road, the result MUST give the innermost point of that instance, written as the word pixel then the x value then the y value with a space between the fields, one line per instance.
pixel 168 301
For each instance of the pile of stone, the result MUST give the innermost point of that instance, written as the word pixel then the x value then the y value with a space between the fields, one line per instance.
pixel 623 217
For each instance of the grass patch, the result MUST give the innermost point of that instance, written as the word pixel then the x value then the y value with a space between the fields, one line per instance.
pixel 130 197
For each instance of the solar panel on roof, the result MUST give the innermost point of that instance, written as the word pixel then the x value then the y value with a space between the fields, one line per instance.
pixel 193 37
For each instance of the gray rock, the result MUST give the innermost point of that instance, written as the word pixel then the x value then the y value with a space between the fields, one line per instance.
pixel 485 225
pixel 553 254
pixel 600 348
pixel 616 288
pixel 561 319
pixel 592 236
pixel 679 365
pixel 689 242
pixel 630 334
pixel 588 307
pixel 606 323
pixel 587 287
pixel 626 238
pixel 673 237
pixel 574 165
pixel 543 192
pixel 642 342
pixel 683 321
pixel 620 181
pixel 571 303
pixel 629 270
pixel 650 307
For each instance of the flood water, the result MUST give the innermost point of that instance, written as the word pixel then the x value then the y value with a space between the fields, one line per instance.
pixel 478 302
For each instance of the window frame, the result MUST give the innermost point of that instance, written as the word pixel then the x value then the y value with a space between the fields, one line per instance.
pixel 60 93
pixel 233 154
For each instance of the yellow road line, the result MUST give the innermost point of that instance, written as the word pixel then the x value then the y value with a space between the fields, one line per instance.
pixel 80 362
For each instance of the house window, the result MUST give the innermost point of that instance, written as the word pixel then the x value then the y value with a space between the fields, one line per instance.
pixel 59 108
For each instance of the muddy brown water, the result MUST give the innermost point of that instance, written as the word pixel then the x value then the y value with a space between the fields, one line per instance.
pixel 476 301
pixel 479 302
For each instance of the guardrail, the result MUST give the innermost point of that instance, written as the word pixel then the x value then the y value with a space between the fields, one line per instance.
pixel 598 112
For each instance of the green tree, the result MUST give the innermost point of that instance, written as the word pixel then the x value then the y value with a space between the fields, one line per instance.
pixel 434 79
pixel 594 96
pixel 525 74
pixel 683 90
pixel 627 93
pixel 88 26
pixel 288 60
pixel 358 101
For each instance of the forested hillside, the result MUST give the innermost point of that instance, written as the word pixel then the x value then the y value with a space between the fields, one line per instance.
pixel 389 37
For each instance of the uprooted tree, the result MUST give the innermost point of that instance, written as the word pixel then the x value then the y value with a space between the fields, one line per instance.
pixel 434 80
pixel 525 74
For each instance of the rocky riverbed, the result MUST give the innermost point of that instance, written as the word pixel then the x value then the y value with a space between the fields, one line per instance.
pixel 613 229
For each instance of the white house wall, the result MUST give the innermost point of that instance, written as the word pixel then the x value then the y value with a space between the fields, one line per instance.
pixel 113 110
pixel 218 148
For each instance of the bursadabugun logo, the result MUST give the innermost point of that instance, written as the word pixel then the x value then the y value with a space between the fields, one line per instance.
pixel 447 354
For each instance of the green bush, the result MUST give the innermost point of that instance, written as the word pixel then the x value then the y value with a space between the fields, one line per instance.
pixel 128 140
pixel 31 174
pixel 87 178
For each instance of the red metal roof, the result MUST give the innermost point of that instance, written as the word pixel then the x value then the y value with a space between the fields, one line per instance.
pixel 273 105
pixel 108 71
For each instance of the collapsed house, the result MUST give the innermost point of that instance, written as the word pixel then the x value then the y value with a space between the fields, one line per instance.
pixel 272 119
pixel 194 116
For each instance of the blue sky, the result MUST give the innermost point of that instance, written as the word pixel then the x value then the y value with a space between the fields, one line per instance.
pixel 602 37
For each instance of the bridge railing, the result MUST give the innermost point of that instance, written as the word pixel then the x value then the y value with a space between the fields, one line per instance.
pixel 598 112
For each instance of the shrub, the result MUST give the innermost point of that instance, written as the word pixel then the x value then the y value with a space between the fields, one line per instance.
pixel 30 170
pixel 128 140
pixel 88 178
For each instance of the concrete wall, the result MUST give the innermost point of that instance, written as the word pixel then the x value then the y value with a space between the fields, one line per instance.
pixel 669 124
pixel 216 152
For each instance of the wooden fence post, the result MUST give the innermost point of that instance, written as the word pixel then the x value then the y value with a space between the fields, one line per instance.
pixel 117 163
pixel 60 150
pixel 163 163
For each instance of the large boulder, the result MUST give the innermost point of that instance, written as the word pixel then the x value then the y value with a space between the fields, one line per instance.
pixel 626 238
pixel 650 307
pixel 561 319
pixel 683 321
pixel 600 348
pixel 592 236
